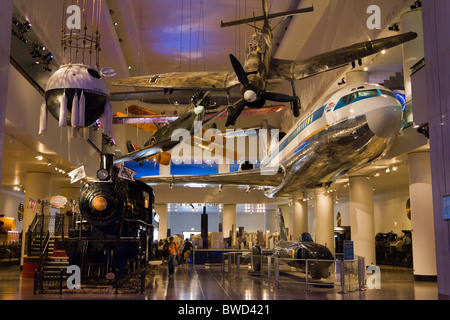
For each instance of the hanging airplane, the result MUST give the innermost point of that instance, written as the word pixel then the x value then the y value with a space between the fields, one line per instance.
pixel 350 129
pixel 260 68
pixel 161 141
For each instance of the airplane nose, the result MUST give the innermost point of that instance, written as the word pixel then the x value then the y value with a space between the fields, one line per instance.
pixel 385 122
pixel 250 96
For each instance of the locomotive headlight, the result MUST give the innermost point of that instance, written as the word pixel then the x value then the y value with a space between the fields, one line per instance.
pixel 99 203
pixel 102 174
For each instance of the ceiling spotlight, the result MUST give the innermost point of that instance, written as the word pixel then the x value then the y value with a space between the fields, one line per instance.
pixel 377 174
pixel 49 163
pixel 39 157
pixel 388 170
pixel 383 52
pixel 366 69
pixel 394 168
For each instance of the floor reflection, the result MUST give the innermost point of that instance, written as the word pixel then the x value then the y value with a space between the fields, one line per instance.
pixel 212 284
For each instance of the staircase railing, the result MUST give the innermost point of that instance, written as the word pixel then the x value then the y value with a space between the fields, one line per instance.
pixel 36 227
pixel 43 254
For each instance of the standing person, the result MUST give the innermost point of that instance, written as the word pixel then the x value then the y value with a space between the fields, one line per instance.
pixel 165 251
pixel 172 258
pixel 187 252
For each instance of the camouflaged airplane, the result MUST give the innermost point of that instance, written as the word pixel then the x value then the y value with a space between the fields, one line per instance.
pixel 260 68
pixel 161 141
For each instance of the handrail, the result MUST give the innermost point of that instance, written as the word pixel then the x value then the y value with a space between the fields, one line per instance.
pixel 44 252
pixel 31 234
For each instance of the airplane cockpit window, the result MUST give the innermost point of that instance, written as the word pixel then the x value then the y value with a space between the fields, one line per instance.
pixel 368 93
pixel 387 93
pixel 255 45
pixel 345 99
pixel 353 96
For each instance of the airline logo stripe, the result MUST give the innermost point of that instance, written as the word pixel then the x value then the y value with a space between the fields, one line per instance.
pixel 305 123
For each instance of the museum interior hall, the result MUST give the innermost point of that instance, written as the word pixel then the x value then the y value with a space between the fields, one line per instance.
pixel 291 149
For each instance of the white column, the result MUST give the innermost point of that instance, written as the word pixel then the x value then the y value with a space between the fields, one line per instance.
pixel 38 186
pixel 161 210
pixel 362 218
pixel 164 170
pixel 422 222
pixel 413 51
pixel 300 217
pixel 229 219
pixel 324 219
pixel 270 221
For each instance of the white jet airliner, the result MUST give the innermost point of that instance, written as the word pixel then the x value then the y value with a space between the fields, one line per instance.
pixel 346 131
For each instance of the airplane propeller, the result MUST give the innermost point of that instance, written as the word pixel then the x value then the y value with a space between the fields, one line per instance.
pixel 253 96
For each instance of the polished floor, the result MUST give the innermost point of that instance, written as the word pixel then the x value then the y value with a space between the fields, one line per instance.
pixel 210 283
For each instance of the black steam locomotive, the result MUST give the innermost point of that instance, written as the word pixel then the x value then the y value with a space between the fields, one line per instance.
pixel 114 230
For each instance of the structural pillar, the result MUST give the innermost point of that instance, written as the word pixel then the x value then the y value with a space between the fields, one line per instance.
pixel 6 8
pixel 161 210
pixel 413 50
pixel 435 26
pixel 38 187
pixel 229 222
pixel 270 221
pixel 324 218
pixel 362 221
pixel 422 223
pixel 300 219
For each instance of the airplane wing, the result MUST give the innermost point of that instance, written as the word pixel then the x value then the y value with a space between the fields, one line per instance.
pixel 147 152
pixel 160 146
pixel 255 177
pixel 120 118
pixel 207 80
pixel 289 70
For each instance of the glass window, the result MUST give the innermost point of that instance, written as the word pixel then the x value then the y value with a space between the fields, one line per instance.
pixel 345 99
pixel 353 96
pixel 388 93
pixel 368 93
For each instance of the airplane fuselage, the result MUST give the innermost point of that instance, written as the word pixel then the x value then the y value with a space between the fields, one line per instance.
pixel 350 129
pixel 257 57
